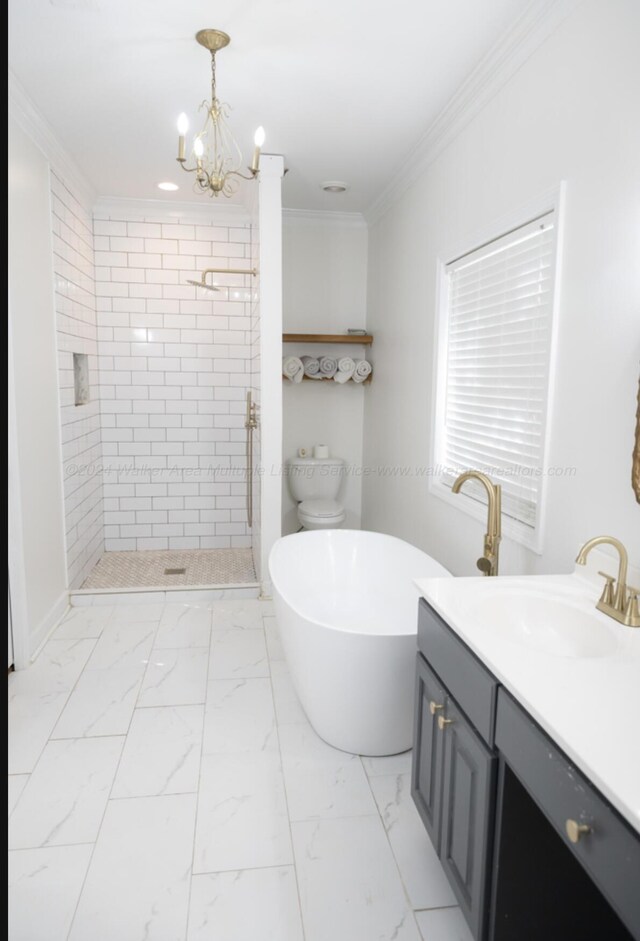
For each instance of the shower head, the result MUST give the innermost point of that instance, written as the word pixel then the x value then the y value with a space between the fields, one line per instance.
pixel 203 284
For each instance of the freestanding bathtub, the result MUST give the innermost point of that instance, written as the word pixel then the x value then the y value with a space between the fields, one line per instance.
pixel 347 612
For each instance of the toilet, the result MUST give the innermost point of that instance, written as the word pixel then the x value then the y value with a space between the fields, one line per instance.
pixel 315 483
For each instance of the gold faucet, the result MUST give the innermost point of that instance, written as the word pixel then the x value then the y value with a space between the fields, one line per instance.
pixel 618 600
pixel 488 562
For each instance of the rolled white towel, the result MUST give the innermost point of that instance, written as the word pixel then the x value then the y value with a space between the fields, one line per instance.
pixel 311 367
pixel 346 367
pixel 293 368
pixel 328 366
pixel 361 371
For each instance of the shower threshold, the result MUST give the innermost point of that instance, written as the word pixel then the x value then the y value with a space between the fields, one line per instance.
pixel 164 570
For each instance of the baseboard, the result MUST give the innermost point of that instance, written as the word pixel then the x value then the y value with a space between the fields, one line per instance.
pixel 47 626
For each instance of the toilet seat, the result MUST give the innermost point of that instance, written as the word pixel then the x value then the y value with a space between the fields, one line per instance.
pixel 325 513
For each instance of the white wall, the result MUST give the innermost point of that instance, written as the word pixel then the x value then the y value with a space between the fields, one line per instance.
pixel 270 438
pixel 35 466
pixel 570 112
pixel 175 365
pixel 324 288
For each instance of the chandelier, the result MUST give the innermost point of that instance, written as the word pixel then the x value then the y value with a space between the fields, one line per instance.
pixel 216 157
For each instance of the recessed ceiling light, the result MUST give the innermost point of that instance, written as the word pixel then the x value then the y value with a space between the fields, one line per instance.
pixel 334 186
pixel 168 187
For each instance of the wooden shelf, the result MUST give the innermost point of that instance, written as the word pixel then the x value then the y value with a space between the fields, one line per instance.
pixel 331 379
pixel 361 339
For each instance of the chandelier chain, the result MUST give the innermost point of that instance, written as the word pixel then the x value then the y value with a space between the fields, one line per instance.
pixel 213 77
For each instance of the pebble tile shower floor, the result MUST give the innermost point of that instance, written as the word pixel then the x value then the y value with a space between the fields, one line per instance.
pixel 148 569
pixel 165 785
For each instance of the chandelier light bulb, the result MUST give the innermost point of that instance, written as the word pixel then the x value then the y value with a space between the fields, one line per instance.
pixel 258 140
pixel 183 127
pixel 198 147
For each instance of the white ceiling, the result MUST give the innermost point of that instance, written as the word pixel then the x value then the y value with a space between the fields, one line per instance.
pixel 344 88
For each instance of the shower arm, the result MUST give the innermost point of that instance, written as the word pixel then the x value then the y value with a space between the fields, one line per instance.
pixel 251 271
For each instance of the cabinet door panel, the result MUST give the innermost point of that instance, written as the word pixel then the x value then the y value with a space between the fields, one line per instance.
pixel 426 778
pixel 467 813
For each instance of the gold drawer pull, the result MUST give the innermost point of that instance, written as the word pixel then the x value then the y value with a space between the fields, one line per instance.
pixel 576 830
pixel 434 706
pixel 443 723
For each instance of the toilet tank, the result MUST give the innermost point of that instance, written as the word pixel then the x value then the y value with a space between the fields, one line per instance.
pixel 312 478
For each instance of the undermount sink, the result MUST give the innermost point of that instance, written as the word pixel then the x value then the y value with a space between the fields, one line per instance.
pixel 548 625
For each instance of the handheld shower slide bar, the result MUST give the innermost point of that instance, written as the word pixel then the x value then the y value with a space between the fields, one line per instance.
pixel 202 283
pixel 250 423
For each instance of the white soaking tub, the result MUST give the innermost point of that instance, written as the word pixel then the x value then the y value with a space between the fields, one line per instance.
pixel 347 611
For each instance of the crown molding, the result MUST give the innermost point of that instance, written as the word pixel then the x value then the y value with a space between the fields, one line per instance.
pixel 157 210
pixel 324 217
pixel 502 61
pixel 26 114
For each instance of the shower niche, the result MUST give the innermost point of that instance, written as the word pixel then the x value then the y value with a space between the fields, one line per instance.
pixel 81 378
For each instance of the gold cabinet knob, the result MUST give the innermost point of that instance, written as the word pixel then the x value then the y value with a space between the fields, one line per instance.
pixel 443 723
pixel 576 830
pixel 434 706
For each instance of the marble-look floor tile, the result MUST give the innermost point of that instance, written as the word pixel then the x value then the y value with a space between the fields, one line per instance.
pixel 239 717
pixel 162 752
pixel 123 644
pixel 65 798
pixel 184 625
pixel 137 886
pixel 102 702
pixel 15 786
pixel 44 886
pixel 387 764
pixel 288 706
pixel 274 644
pixel 37 697
pixel 84 622
pixel 242 813
pixel 443 924
pixel 349 885
pixel 242 615
pixel 320 780
pixel 237 654
pixel 268 608
pixel 32 719
pixel 422 874
pixel 245 905
pixel 56 668
pixel 136 613
pixel 175 677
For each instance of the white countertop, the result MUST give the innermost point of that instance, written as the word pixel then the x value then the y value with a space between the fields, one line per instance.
pixel 589 705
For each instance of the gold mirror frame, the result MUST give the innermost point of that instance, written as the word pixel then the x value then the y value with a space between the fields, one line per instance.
pixel 635 469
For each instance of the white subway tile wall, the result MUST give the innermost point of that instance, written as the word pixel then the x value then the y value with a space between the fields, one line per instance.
pixel 77 332
pixel 175 364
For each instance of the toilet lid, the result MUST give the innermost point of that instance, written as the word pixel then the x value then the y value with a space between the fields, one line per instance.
pixel 320 508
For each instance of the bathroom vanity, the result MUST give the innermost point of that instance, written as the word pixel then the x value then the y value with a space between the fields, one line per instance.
pixel 533 815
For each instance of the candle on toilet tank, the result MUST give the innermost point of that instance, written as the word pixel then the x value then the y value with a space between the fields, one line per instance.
pixel 321 451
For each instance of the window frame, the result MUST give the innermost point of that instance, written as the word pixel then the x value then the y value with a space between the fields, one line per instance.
pixel 550 201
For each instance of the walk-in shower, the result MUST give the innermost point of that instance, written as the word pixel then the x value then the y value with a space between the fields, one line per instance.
pixel 178 371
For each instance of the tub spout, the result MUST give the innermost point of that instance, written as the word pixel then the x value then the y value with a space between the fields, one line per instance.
pixel 488 561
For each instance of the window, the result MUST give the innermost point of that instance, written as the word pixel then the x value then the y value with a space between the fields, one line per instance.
pixel 494 371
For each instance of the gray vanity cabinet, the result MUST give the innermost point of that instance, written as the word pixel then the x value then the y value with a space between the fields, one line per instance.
pixel 427 766
pixel 531 849
pixel 467 815
pixel 453 787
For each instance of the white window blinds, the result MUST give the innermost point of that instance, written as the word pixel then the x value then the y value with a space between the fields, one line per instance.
pixel 498 336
